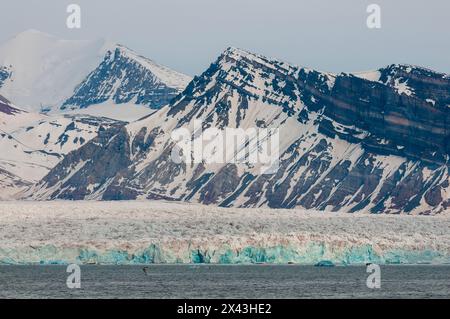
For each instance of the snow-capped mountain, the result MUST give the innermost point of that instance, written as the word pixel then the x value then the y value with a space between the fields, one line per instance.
pixel 12 117
pixel 42 70
pixel 374 141
pixel 43 73
pixel 31 143
pixel 123 77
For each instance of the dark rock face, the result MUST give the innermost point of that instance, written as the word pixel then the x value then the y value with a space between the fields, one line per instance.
pixel 6 108
pixel 418 126
pixel 377 143
pixel 98 167
pixel 121 79
pixel 4 74
pixel 221 185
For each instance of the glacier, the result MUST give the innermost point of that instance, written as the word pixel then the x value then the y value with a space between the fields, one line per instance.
pixel 147 232
pixel 309 255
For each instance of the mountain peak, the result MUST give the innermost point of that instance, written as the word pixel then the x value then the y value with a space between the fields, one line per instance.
pixel 168 76
pixel 413 69
pixel 33 35
pixel 26 40
pixel 35 32
pixel 239 54
pixel 42 71
pixel 259 60
pixel 336 134
pixel 231 51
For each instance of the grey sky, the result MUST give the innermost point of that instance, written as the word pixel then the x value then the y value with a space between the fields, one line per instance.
pixel 187 35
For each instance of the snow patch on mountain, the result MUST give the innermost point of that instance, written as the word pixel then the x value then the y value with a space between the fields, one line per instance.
pixel 12 117
pixel 127 112
pixel 329 160
pixel 41 72
pixel 44 70
pixel 126 77
pixel 166 75
pixel 31 144
pixel 369 75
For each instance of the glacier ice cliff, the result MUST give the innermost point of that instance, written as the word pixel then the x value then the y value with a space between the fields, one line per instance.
pixel 311 254
pixel 154 232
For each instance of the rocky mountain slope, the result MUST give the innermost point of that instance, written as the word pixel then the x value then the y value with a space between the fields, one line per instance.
pixel 54 82
pixel 375 141
pixel 41 72
pixel 31 143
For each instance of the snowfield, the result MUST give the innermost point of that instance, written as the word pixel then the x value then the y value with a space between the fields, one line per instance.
pixel 140 232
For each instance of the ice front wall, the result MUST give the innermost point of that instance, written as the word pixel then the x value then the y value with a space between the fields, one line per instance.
pixel 143 232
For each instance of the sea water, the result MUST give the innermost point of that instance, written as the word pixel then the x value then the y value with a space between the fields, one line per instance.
pixel 225 281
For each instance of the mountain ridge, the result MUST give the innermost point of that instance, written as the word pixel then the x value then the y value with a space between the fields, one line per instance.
pixel 41 72
pixel 33 143
pixel 347 143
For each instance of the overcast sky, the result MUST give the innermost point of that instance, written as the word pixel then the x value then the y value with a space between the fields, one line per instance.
pixel 187 35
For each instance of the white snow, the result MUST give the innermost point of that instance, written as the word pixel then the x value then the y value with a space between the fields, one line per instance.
pixel 31 144
pixel 45 69
pixel 21 118
pixel 373 76
pixel 167 76
pixel 127 112
pixel 402 87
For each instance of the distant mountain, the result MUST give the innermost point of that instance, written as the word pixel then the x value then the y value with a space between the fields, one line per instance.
pixel 123 77
pixel 31 143
pixel 43 73
pixel 375 141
